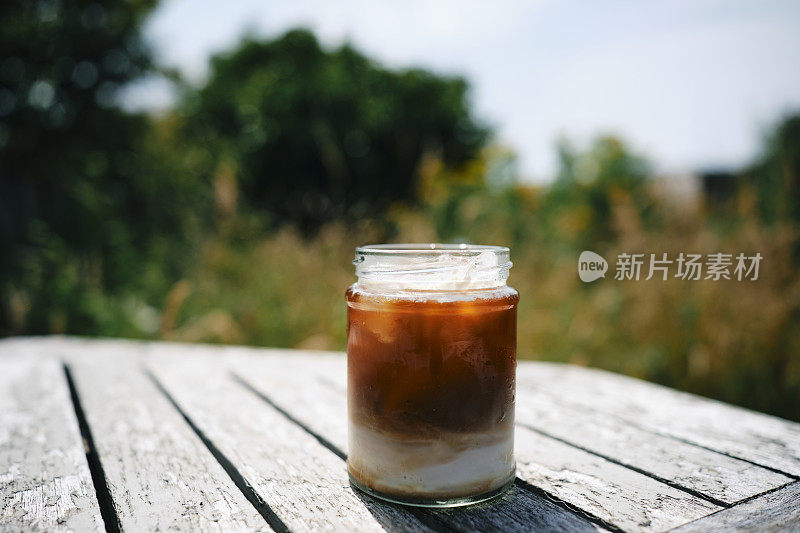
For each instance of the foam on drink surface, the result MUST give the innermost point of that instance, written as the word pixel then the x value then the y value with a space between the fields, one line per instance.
pixel 443 271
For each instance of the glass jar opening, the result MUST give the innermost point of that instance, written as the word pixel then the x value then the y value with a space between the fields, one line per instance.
pixel 432 267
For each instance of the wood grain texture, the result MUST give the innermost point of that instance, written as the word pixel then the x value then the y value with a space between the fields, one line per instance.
pixel 711 474
pixel 160 475
pixel 302 482
pixel 319 408
pixel 597 442
pixel 613 493
pixel 45 480
pixel 517 510
pixel 759 438
pixel 618 495
pixel 776 511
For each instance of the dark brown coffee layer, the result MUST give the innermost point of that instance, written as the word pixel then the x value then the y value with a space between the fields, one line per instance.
pixel 419 366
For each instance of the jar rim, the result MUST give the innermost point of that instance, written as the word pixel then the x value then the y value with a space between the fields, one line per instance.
pixel 429 249
pixel 433 266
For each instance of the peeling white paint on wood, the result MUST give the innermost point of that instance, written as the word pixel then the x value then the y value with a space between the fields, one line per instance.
pixel 756 437
pixel 611 492
pixel 304 483
pixel 45 482
pixel 293 386
pixel 517 510
pixel 616 494
pixel 160 474
pixel 712 474
pixel 776 511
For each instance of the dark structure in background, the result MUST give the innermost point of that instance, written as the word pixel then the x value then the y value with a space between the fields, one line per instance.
pixel 719 188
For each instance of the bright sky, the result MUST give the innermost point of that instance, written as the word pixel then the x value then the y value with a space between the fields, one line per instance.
pixel 693 84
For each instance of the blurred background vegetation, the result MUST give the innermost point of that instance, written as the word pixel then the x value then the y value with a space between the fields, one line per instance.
pixel 232 217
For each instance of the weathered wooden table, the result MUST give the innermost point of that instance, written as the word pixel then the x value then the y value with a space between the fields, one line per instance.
pixel 156 436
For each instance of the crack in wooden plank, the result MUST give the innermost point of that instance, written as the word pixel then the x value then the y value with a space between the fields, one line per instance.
pixel 676 438
pixel 768 442
pixel 551 472
pixel 533 489
pixel 665 481
pixel 45 482
pixel 104 498
pixel 238 479
pixel 431 521
pixel 427 517
pixel 705 523
pixel 322 440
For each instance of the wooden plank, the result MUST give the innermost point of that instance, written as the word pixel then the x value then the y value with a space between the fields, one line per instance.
pixel 618 495
pixel 314 408
pixel 45 479
pixel 609 396
pixel 762 439
pixel 550 382
pixel 614 494
pixel 304 484
pixel 160 475
pixel 723 479
pixel 518 509
pixel 776 511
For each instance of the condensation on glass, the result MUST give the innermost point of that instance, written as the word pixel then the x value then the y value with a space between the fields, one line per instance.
pixel 431 363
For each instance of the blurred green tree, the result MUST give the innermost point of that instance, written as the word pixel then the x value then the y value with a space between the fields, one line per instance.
pixel 776 174
pixel 316 135
pixel 579 204
pixel 77 205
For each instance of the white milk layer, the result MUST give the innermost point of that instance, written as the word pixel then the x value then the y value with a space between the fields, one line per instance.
pixel 455 465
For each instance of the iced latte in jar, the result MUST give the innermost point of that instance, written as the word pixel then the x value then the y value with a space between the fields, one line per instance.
pixel 431 359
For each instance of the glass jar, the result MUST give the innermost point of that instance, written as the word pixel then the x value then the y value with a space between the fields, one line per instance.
pixel 431 366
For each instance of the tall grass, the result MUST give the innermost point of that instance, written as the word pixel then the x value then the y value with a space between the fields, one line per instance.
pixel 738 341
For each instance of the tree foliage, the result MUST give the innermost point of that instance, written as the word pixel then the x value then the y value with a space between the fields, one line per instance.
pixel 589 183
pixel 75 210
pixel 317 135
pixel 776 175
